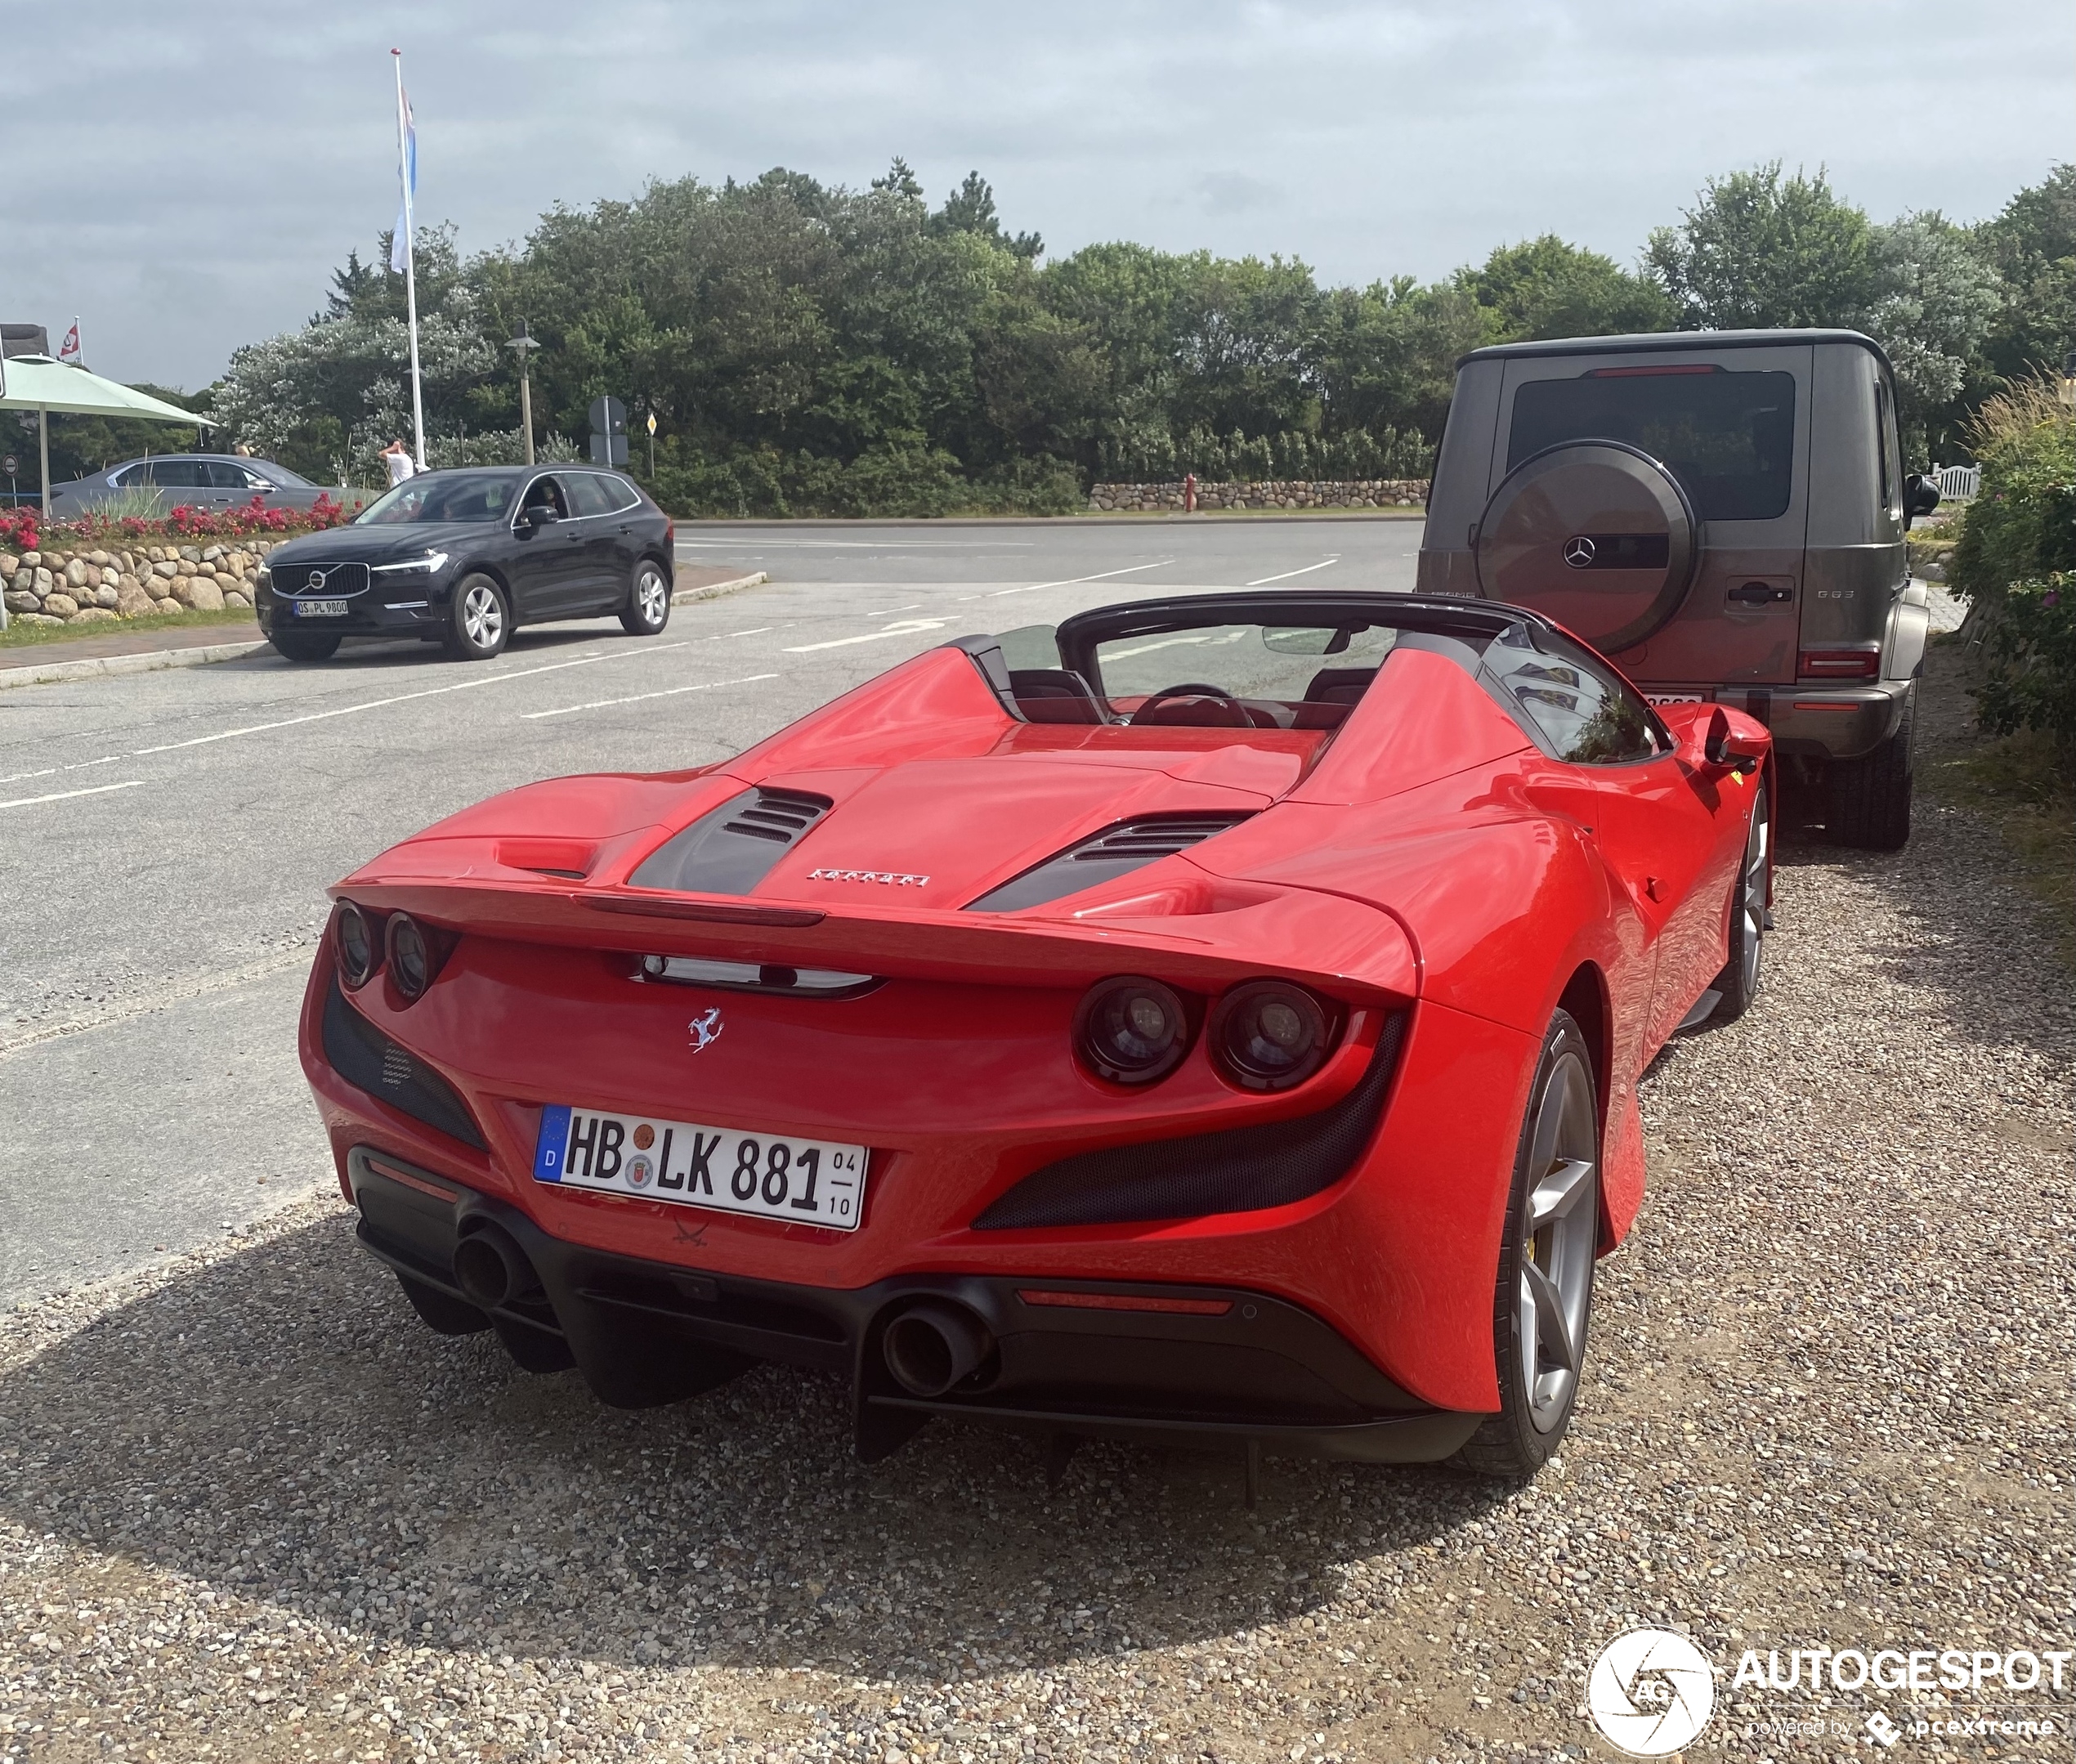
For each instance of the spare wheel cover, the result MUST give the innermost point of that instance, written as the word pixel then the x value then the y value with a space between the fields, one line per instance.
pixel 1595 535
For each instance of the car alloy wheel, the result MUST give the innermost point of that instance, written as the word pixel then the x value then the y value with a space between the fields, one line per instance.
pixel 648 604
pixel 1739 982
pixel 1544 1294
pixel 481 622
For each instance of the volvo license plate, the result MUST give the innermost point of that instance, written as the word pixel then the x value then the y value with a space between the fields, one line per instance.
pixel 772 1175
pixel 321 609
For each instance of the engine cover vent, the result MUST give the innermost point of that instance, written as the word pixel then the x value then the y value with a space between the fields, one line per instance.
pixel 729 850
pixel 1115 852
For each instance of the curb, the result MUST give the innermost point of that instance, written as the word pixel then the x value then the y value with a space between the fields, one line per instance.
pixel 95 667
pixel 684 596
pixel 92 667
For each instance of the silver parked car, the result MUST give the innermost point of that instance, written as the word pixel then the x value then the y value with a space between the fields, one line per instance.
pixel 189 480
pixel 1723 514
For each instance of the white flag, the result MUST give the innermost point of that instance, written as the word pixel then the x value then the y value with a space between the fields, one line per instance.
pixel 407 177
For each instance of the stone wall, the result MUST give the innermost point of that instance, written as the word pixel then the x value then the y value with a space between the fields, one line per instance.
pixel 1354 493
pixel 77 586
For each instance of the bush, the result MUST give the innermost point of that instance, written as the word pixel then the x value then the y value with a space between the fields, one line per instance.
pixel 2022 525
pixel 2029 653
pixel 23 529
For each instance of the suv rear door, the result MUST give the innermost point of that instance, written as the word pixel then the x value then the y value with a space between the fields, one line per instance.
pixel 1743 461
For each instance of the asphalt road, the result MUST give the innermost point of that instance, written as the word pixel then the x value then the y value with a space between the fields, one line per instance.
pixel 166 838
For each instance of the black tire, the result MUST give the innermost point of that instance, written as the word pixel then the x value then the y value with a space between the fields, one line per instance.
pixel 1867 800
pixel 1553 1228
pixel 647 610
pixel 442 1312
pixel 479 620
pixel 1739 982
pixel 305 646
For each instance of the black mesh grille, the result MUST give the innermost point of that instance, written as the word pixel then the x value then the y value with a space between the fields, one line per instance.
pixel 365 1057
pixel 1115 852
pixel 729 850
pixel 1242 1170
pixel 338 578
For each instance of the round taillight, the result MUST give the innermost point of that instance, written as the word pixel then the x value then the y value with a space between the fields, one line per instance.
pixel 410 956
pixel 355 940
pixel 1131 1031
pixel 1269 1034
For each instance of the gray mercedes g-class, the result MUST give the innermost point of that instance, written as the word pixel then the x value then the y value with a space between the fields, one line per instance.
pixel 1722 512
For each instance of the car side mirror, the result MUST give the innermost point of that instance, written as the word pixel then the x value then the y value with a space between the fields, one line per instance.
pixel 539 515
pixel 1723 746
pixel 1920 495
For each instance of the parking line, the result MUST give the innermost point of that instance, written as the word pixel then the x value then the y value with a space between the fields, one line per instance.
pixel 1069 581
pixel 672 691
pixel 1288 574
pixel 900 628
pixel 404 698
pixel 59 796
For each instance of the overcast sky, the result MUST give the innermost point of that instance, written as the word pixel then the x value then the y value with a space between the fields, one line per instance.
pixel 214 163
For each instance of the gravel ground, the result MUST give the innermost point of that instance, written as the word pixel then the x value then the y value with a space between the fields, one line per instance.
pixel 249 1510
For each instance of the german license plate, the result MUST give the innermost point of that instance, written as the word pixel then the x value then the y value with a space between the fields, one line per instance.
pixel 807 1182
pixel 1677 698
pixel 321 609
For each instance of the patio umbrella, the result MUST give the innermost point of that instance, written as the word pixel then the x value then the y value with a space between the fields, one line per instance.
pixel 38 383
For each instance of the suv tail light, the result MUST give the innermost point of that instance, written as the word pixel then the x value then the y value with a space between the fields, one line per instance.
pixel 1862 661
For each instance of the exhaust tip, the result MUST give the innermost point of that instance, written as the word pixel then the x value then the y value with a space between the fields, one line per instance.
pixel 492 1270
pixel 933 1345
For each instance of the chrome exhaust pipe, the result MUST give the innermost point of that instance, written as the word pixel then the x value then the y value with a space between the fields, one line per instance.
pixel 931 1346
pixel 492 1270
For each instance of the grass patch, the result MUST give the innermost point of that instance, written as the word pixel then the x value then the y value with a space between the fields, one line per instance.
pixel 19 635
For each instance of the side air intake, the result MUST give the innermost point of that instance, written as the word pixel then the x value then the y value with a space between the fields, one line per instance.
pixel 729 850
pixel 1115 852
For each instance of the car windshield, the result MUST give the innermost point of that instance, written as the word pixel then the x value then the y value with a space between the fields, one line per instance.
pixel 1230 676
pixel 444 497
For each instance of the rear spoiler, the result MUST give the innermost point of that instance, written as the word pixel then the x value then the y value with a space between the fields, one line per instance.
pixel 1338 944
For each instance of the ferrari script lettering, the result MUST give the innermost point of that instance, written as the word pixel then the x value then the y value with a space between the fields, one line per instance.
pixel 886 877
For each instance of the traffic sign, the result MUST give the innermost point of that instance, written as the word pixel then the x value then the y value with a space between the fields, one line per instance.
pixel 652 421
pixel 9 465
pixel 608 416
pixel 608 449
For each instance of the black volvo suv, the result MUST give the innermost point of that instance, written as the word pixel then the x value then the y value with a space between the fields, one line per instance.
pixel 461 556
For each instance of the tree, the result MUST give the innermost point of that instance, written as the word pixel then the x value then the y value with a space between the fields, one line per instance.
pixel 2032 246
pixel 1937 301
pixel 1757 251
pixel 970 209
pixel 1546 288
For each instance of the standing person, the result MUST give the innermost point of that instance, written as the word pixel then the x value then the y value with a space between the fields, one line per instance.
pixel 397 457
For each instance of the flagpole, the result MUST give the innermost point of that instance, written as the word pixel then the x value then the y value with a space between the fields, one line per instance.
pixel 410 266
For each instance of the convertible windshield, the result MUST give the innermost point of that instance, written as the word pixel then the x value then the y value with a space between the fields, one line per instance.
pixel 1230 676
pixel 444 497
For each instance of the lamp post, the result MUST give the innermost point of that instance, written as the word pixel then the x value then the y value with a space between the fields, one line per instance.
pixel 524 345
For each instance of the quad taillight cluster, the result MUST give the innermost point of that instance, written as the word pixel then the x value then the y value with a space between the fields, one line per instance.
pixel 367 944
pixel 1264 1034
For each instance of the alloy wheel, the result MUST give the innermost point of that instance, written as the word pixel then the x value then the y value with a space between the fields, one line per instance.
pixel 1752 895
pixel 1560 1229
pixel 482 617
pixel 651 595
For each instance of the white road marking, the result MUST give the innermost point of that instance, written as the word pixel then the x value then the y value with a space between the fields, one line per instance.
pixel 17 777
pixel 901 628
pixel 755 631
pixel 670 691
pixel 403 698
pixel 1069 581
pixel 59 796
pixel 881 612
pixel 1173 642
pixel 1288 574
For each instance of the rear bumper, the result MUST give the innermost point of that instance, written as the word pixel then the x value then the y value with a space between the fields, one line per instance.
pixel 1818 721
pixel 1241 1366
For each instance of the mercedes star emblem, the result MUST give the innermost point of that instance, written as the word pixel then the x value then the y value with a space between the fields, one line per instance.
pixel 1578 551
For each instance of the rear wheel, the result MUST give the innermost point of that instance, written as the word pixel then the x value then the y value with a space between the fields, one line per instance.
pixel 1544 1289
pixel 647 610
pixel 305 646
pixel 1868 799
pixel 479 621
pixel 1739 982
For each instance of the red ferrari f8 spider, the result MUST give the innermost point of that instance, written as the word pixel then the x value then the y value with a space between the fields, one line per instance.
pixel 1216 1016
